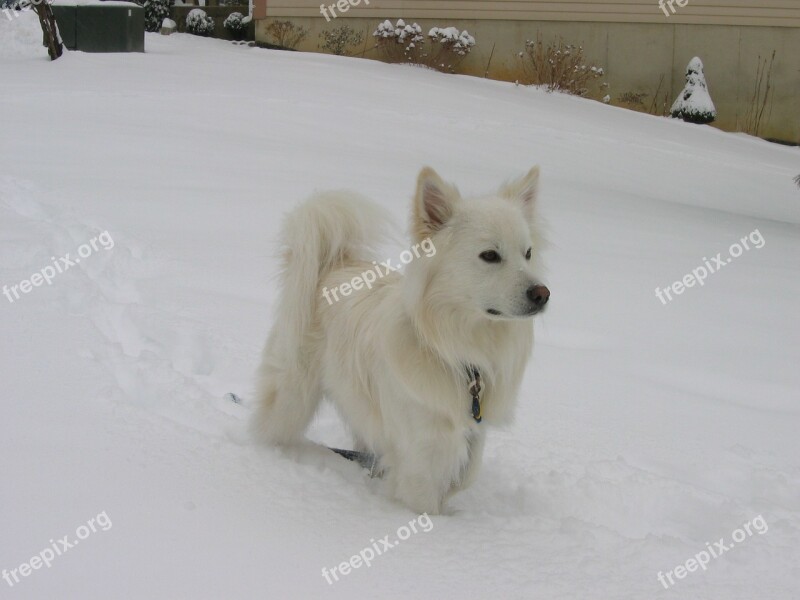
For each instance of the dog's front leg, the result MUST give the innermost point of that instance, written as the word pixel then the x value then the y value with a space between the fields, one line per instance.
pixel 426 470
pixel 475 443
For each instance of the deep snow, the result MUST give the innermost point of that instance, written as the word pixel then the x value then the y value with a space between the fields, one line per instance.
pixel 644 430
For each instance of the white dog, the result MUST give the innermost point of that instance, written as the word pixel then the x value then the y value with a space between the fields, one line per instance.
pixel 417 364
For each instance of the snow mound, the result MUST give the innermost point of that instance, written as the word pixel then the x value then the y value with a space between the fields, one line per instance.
pixel 22 35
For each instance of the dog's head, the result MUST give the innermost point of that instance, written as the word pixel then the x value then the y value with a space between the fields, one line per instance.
pixel 486 247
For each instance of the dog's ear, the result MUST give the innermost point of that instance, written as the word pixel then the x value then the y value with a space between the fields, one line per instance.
pixel 524 191
pixel 433 203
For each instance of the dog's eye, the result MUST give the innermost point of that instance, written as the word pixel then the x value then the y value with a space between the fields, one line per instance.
pixel 490 256
pixel 528 254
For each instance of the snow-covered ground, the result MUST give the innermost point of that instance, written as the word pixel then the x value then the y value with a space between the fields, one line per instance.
pixel 645 431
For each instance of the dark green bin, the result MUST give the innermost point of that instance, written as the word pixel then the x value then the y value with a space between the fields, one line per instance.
pixel 101 26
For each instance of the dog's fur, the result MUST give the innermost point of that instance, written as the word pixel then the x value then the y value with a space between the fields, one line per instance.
pixel 393 358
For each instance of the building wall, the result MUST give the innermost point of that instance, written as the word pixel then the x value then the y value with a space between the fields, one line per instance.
pixel 642 54
pixel 770 13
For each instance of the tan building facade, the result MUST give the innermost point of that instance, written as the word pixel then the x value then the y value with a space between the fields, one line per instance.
pixel 643 45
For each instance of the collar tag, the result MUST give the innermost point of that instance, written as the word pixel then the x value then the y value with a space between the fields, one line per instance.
pixel 475 390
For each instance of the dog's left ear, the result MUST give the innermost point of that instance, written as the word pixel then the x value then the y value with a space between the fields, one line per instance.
pixel 434 203
pixel 523 191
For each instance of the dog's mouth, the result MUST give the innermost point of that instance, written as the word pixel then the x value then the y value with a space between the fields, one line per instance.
pixel 533 311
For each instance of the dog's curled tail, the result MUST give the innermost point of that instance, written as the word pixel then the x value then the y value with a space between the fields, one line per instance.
pixel 330 229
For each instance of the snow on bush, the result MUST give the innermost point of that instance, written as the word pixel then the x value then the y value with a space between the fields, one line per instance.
pixel 449 47
pixel 399 42
pixel 198 22
pixel 235 22
pixel 460 42
pixel 694 104
pixel 155 11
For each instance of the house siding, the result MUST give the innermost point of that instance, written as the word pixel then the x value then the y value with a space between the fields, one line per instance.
pixel 769 13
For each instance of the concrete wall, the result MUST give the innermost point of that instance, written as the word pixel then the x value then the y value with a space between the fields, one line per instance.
pixel 635 57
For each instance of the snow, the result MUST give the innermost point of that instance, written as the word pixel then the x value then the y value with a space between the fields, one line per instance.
pixel 399 32
pixel 695 99
pixel 462 41
pixel 644 430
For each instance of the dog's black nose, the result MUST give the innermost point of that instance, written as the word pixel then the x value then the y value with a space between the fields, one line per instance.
pixel 539 295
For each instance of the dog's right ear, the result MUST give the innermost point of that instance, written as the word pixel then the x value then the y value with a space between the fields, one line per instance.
pixel 433 203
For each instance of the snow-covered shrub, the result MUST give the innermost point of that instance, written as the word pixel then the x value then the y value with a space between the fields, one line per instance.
pixel 399 42
pixel 155 11
pixel 168 27
pixel 237 24
pixel 340 40
pixel 234 21
pixel 198 22
pixel 286 34
pixel 694 104
pixel 558 66
pixel 449 46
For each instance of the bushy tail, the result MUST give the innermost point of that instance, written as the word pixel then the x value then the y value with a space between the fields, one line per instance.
pixel 328 230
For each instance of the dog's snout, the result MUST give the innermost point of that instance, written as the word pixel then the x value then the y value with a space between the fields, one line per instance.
pixel 539 295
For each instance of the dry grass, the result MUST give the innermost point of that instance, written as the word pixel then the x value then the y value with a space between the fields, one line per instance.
pixel 761 94
pixel 286 34
pixel 558 66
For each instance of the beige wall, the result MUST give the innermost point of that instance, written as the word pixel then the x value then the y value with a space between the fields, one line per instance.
pixel 635 57
pixel 773 13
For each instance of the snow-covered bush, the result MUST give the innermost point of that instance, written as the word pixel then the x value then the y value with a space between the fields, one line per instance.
pixel 340 40
pixel 168 27
pixel 155 11
pixel 399 42
pixel 286 34
pixel 558 66
pixel 237 24
pixel 198 22
pixel 694 104
pixel 234 21
pixel 449 46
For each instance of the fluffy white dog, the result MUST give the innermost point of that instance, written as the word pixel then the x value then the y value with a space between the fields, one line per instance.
pixel 418 364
